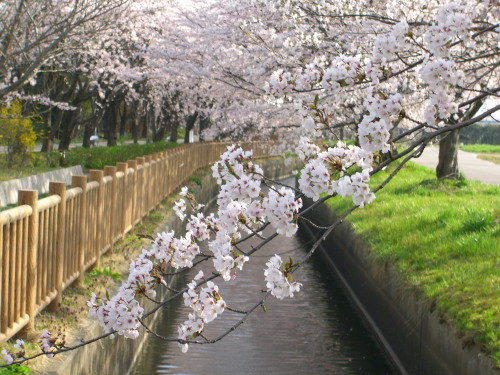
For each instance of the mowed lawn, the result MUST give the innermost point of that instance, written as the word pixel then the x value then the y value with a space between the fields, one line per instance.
pixel 443 236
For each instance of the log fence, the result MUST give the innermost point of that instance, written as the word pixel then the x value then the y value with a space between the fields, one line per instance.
pixel 48 244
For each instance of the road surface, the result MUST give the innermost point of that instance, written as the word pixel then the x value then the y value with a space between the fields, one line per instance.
pixel 469 164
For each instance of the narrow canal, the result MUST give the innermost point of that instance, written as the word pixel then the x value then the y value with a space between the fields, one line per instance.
pixel 316 332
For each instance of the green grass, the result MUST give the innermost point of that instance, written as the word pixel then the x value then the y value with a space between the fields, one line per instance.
pixel 106 271
pixel 15 369
pixel 485 152
pixel 494 158
pixel 88 158
pixel 443 236
pixel 20 172
pixel 481 148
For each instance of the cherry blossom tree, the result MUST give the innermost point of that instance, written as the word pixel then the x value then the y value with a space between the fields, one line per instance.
pixel 425 67
pixel 35 32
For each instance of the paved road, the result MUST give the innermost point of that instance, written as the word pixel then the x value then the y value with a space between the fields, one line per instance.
pixel 468 163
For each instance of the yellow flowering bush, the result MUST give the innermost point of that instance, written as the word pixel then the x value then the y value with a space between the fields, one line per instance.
pixel 16 133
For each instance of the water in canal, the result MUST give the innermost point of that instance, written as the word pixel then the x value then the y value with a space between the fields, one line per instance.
pixel 316 332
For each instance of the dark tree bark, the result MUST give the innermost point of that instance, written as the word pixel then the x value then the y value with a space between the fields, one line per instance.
pixel 135 131
pixel 173 134
pixel 110 125
pixel 70 121
pixel 448 147
pixel 48 140
pixel 190 121
pixel 123 119
pixel 53 84
pixel 159 133
pixel 448 156
pixel 204 124
pixel 144 130
pixel 87 132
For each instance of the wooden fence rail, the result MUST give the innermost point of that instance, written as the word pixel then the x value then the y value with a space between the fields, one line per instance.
pixel 47 244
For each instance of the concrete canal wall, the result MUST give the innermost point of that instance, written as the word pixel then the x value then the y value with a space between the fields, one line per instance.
pixel 413 334
pixel 40 182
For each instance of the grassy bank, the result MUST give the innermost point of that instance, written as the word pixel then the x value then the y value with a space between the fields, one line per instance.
pixel 485 152
pixel 443 236
pixel 88 158
pixel 479 148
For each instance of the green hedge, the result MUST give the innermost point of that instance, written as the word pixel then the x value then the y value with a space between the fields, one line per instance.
pixel 481 133
pixel 99 157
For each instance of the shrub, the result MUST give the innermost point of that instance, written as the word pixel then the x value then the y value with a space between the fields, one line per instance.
pixel 99 157
pixel 16 133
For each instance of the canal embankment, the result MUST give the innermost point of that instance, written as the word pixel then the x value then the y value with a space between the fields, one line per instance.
pixel 421 265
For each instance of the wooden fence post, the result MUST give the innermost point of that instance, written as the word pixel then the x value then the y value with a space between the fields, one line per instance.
pixel 30 197
pixel 81 182
pixel 141 189
pixel 157 181
pixel 122 167
pixel 164 171
pixel 148 182
pixel 111 171
pixel 59 188
pixel 98 176
pixel 133 211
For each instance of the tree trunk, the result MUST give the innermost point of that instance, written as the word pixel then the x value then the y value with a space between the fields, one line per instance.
pixel 69 121
pixel 204 124
pixel 110 125
pixel 87 132
pixel 448 147
pixel 190 121
pixel 159 134
pixel 123 119
pixel 145 127
pixel 448 162
pixel 48 140
pixel 173 134
pixel 135 131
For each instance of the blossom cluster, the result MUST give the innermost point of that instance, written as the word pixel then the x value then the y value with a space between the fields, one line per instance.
pixel 280 83
pixel 343 71
pixel 279 280
pixel 373 131
pixel 206 303
pixel 121 313
pixel 452 22
pixel 327 173
pixel 50 342
pixel 386 45
pixel 9 357
pixel 175 252
pixel 440 76
pixel 280 207
pixel 306 149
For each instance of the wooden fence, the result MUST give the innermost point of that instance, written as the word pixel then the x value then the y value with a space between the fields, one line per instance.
pixel 48 244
